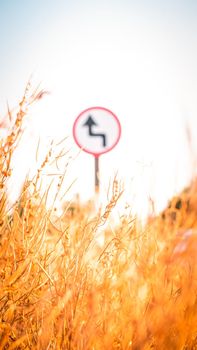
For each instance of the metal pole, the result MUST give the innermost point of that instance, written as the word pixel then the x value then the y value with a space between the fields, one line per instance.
pixel 96 174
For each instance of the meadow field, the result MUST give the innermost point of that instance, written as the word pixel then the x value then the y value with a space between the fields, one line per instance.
pixel 60 289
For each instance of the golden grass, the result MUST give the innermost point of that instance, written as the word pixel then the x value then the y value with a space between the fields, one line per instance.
pixel 59 289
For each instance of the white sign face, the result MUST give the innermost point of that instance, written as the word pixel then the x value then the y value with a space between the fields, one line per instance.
pixel 96 130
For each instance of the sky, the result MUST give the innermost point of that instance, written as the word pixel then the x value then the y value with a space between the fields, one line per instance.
pixel 136 58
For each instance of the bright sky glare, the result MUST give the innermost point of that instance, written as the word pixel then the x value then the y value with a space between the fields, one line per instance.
pixel 137 58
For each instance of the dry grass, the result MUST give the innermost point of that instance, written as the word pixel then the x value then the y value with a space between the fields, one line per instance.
pixel 60 290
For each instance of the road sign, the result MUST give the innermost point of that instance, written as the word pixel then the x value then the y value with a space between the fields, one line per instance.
pixel 96 130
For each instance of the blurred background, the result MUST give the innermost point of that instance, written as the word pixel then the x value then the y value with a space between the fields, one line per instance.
pixel 137 58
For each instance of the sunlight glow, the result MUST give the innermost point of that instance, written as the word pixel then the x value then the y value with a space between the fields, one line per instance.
pixel 134 65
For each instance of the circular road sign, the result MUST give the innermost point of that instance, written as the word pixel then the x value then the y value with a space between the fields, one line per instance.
pixel 96 130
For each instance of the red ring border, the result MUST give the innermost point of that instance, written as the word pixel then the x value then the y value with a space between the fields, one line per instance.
pixel 96 155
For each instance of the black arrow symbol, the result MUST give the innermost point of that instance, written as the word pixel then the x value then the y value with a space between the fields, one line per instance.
pixel 90 123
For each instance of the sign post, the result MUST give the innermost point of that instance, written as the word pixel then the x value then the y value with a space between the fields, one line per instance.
pixel 97 184
pixel 96 131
